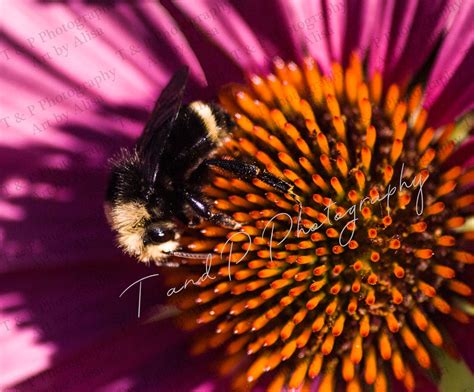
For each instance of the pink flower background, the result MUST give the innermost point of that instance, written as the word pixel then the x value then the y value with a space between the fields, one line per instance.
pixel 77 83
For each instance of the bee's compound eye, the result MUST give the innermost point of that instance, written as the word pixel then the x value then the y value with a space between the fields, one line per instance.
pixel 157 235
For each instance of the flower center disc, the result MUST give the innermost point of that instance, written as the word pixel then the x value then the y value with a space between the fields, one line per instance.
pixel 352 283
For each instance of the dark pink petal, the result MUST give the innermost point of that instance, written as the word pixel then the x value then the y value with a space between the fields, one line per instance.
pixel 453 50
pixel 361 19
pixel 335 19
pixel 427 26
pixel 48 317
pixel 380 41
pixel 226 28
pixel 274 37
pixel 404 15
pixel 450 85
pixel 305 23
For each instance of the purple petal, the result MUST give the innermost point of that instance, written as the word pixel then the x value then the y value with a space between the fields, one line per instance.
pixel 380 41
pixel 48 317
pixel 226 28
pixel 308 32
pixel 361 22
pixel 453 69
pixel 335 18
pixel 427 25
pixel 274 37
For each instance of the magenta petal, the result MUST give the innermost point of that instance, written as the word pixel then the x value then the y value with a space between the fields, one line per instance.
pixel 305 23
pixel 400 32
pixel 361 21
pixel 226 28
pixel 451 54
pixel 457 97
pixel 335 18
pixel 427 25
pixel 450 85
pixel 51 315
pixel 274 37
pixel 380 42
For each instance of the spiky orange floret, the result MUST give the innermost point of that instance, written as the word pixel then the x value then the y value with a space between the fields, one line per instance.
pixel 351 301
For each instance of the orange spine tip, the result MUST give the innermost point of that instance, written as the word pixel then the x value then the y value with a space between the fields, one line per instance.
pixel 372 279
pixel 331 308
pixel 366 157
pixel 400 131
pixel 338 79
pixel 440 304
pixel 360 179
pixel 314 302
pixel 323 143
pixel 424 253
pixel 426 289
pixel 298 375
pixel 435 208
pixel 397 366
pixel 391 99
pixel 426 158
pixel 306 111
pixel 336 184
pixel 399 114
pixel 292 96
pixel 385 346
pixel 434 335
pixel 420 121
pixel 422 357
pixel 333 106
pixel 338 325
pixel 370 370
pixel 351 85
pixel 446 240
pixel 375 257
pixel 347 369
pixel 396 150
pixel 415 98
pixel 342 150
pixel 364 327
pixel 352 307
pixel 327 382
pixel 460 288
pixel 455 222
pixel 409 338
pixel 328 344
pixel 392 323
pixel 365 109
pixel 397 297
pixel 288 350
pixel 425 139
pixel 376 87
pixel 420 319
pixel 398 271
pixel 315 367
pixel 356 350
pixel 318 323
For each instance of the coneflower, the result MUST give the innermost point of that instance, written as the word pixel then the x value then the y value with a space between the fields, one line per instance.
pixel 349 284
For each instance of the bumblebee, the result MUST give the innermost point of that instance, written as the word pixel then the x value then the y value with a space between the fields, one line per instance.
pixel 154 190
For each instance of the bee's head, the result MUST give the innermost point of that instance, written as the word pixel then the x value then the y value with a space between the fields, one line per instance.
pixel 143 230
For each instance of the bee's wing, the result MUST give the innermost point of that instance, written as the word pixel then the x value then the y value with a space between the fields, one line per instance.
pixel 152 142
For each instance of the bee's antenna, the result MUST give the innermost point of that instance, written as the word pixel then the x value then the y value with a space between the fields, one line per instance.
pixel 185 255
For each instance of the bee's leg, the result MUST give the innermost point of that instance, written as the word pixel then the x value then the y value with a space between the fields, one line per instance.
pixel 248 171
pixel 201 208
